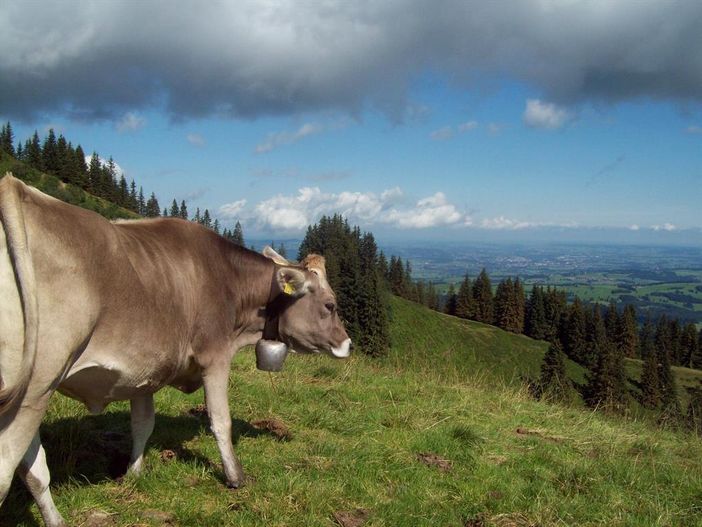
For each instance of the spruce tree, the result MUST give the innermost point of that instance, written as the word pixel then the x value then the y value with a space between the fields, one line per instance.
pixel 451 301
pixel 670 406
pixel 482 296
pixel 183 212
pixel 175 211
pixel 688 344
pixel 536 315
pixel 520 305
pixel 34 154
pixel 153 210
pixel 606 386
pixel 49 152
pixel 628 334
pixel 554 382
pixel 7 139
pixel 575 335
pixel 238 235
pixel 464 299
pixel 650 384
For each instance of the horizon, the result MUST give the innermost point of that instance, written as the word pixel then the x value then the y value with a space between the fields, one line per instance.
pixel 585 132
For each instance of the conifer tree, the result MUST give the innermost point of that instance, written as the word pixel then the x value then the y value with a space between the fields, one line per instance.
pixel 554 382
pixel 33 152
pixel 693 419
pixel 575 334
pixel 670 411
pixel 536 315
pixel 482 296
pixel 520 305
pixel 50 154
pixel 383 268
pixel 650 384
pixel 451 300
pixel 175 211
pixel 606 386
pixel 689 344
pixel 464 299
pixel 80 177
pixel 7 139
pixel 396 276
pixel 206 219
pixel 183 212
pixel 153 210
pixel 238 235
pixel 215 226
pixel 628 335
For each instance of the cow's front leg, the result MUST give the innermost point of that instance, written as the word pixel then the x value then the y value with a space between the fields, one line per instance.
pixel 216 383
pixel 35 474
pixel 142 420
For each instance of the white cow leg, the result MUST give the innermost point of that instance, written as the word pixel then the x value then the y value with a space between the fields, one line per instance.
pixel 35 474
pixel 142 418
pixel 216 382
pixel 17 428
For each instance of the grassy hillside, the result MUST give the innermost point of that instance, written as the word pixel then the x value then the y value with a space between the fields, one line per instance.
pixel 53 186
pixel 439 433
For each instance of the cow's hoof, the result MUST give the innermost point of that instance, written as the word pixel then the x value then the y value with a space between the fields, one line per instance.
pixel 235 484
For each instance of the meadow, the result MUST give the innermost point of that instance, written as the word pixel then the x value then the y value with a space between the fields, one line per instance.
pixel 443 431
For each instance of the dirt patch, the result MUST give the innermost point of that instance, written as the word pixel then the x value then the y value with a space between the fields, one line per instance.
pixel 475 522
pixel 199 410
pixel 168 455
pixel 521 431
pixel 275 427
pixel 354 518
pixel 433 460
pixel 99 519
pixel 159 517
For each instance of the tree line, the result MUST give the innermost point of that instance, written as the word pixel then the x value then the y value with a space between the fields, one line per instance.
pixel 596 337
pixel 57 156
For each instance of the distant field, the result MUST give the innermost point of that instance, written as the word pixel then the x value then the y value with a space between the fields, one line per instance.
pixel 441 432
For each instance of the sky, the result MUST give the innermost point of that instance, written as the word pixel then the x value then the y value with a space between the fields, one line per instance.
pixel 458 120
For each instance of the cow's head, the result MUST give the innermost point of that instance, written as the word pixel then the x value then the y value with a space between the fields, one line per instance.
pixel 305 307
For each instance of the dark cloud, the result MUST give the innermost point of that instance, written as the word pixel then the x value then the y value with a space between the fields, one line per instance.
pixel 96 60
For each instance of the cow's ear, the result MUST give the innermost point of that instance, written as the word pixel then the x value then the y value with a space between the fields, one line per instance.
pixel 292 281
pixel 269 252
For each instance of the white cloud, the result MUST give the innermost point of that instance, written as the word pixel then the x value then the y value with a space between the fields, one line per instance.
pixel 294 213
pixel 442 133
pixel 634 227
pixel 195 140
pixel 130 122
pixel 278 139
pixel 693 129
pixel 546 115
pixel 502 223
pixel 467 126
pixel 434 211
pixel 665 227
pixel 495 128
pixel 232 210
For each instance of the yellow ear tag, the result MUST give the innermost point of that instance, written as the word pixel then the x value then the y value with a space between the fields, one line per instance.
pixel 288 289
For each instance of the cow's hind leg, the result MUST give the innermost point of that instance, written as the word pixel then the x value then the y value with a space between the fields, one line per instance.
pixel 35 474
pixel 142 425
pixel 216 382
pixel 17 429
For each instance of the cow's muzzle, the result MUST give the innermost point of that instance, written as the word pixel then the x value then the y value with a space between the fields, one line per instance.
pixel 342 351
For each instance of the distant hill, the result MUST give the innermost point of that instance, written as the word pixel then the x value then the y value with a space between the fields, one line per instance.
pixel 53 186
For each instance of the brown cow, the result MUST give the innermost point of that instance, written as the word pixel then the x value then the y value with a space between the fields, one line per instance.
pixel 105 311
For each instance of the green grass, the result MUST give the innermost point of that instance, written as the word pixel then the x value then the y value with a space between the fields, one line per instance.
pixel 449 388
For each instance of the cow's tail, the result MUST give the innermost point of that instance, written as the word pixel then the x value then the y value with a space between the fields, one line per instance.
pixel 12 217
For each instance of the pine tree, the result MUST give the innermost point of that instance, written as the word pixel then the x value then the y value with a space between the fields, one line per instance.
pixel 34 154
pixel 238 236
pixel 464 299
pixel 628 336
pixel 693 419
pixel 650 384
pixel 396 276
pixel 175 211
pixel 535 326
pixel 50 153
pixel 696 360
pixel 554 382
pixel 183 212
pixel 80 177
pixel 7 139
pixel 206 219
pixel 688 344
pixel 670 411
pixel 408 285
pixel 482 295
pixel 383 269
pixel 451 301
pixel 215 226
pixel 153 210
pixel 520 305
pixel 606 386
pixel 575 334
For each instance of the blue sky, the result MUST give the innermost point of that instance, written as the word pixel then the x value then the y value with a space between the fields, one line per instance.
pixel 414 137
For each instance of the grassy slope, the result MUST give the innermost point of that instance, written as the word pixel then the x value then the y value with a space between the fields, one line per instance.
pixel 358 427
pixel 65 192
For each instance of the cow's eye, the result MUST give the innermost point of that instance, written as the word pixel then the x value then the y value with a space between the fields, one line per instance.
pixel 330 306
